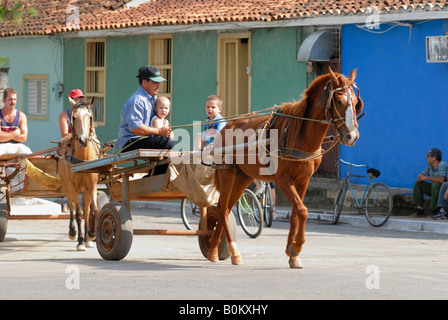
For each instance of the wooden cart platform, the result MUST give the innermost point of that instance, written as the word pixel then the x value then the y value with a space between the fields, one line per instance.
pixel 14 182
pixel 137 179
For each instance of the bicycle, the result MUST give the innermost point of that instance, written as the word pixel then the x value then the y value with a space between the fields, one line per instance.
pixel 376 201
pixel 250 213
pixel 248 208
pixel 191 214
pixel 265 198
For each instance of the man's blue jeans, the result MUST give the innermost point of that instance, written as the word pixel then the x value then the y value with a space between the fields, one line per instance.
pixel 442 203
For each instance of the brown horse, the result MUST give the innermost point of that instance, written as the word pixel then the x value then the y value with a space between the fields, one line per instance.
pixel 81 146
pixel 301 128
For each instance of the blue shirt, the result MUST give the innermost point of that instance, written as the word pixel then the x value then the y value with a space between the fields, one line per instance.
pixel 441 170
pixel 212 129
pixel 138 110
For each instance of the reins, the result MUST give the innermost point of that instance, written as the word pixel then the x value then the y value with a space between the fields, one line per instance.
pixel 275 112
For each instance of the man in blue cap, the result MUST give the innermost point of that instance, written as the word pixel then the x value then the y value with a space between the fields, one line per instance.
pixel 429 181
pixel 135 131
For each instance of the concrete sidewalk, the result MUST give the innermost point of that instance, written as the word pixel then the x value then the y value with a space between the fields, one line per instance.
pixel 43 206
pixel 395 222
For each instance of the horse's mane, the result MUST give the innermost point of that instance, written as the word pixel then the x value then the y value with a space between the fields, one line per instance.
pixel 311 96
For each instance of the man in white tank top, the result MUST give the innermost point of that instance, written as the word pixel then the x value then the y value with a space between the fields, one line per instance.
pixel 14 126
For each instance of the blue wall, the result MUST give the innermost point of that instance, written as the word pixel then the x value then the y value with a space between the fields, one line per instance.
pixel 405 98
pixel 42 56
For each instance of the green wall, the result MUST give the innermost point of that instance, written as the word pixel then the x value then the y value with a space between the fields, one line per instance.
pixel 194 76
pixel 276 75
pixel 124 56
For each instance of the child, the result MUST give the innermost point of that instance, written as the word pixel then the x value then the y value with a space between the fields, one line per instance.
pixel 162 108
pixel 213 108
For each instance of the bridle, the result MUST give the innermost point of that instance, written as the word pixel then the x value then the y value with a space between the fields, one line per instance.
pixel 329 104
pixel 81 104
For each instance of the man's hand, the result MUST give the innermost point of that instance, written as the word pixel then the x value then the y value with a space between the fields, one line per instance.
pixel 421 177
pixel 165 131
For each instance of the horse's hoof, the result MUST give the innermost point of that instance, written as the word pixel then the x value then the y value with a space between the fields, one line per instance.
pixel 236 260
pixel 295 264
pixel 91 238
pixel 80 247
pixel 235 254
pixel 212 256
pixel 89 244
pixel 72 235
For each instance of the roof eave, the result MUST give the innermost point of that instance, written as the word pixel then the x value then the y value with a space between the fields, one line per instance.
pixel 331 20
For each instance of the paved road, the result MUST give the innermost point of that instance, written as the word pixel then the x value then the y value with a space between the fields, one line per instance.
pixel 38 261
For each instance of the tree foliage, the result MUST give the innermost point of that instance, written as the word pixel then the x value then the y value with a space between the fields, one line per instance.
pixel 15 12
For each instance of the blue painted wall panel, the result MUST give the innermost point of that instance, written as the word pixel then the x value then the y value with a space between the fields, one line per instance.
pixel 404 98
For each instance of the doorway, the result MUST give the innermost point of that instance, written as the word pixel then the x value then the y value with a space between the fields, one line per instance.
pixel 234 73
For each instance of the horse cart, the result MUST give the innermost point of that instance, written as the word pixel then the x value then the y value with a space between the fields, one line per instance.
pixel 28 175
pixel 136 176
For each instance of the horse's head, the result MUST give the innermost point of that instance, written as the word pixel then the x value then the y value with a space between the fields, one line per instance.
pixel 343 105
pixel 81 121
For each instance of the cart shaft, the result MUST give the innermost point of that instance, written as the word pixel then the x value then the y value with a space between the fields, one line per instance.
pixel 172 232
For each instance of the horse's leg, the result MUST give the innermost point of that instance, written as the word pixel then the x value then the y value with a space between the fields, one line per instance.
pixel 71 225
pixel 225 179
pixel 87 203
pixel 94 211
pixel 81 246
pixel 299 214
pixel 242 181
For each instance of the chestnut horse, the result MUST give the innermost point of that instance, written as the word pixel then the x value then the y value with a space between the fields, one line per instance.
pixel 81 146
pixel 301 128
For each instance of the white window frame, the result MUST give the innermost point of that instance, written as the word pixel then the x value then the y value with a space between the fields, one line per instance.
pixel 166 67
pixel 35 96
pixel 98 95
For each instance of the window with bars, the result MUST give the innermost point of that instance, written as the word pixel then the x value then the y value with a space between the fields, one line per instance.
pixel 95 77
pixel 160 56
pixel 35 96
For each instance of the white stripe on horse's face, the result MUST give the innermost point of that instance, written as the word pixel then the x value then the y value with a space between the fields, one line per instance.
pixel 83 134
pixel 350 117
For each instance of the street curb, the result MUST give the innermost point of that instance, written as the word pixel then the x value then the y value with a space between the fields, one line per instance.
pixel 394 223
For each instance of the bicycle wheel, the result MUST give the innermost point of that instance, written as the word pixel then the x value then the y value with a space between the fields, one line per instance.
pixel 378 204
pixel 190 214
pixel 250 214
pixel 268 206
pixel 339 203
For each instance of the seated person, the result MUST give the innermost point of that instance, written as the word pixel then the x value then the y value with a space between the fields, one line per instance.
pixel 213 108
pixel 429 181
pixel 135 131
pixel 14 126
pixel 64 117
pixel 161 109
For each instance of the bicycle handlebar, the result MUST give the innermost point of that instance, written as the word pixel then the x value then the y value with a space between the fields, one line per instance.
pixel 352 164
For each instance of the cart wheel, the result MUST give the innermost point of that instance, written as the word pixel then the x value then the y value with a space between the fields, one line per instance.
pixel 3 215
pixel 114 231
pixel 204 241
